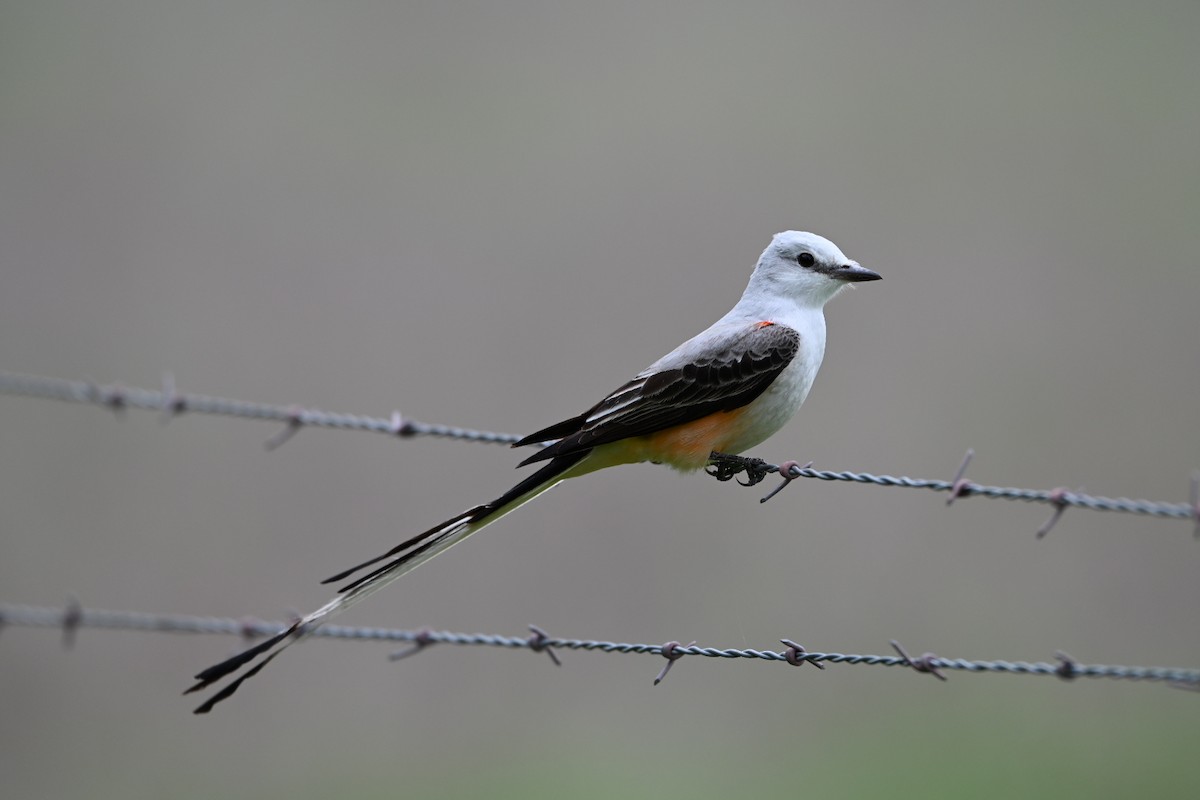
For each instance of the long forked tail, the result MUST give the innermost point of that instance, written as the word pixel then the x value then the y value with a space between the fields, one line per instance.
pixel 402 558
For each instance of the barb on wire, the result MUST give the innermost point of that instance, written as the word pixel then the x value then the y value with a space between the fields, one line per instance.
pixel 796 655
pixel 959 485
pixel 1057 499
pixel 423 639
pixel 926 663
pixel 539 641
pixel 170 402
pixel 672 652
pixel 72 616
pixel 1066 666
pixel 44 617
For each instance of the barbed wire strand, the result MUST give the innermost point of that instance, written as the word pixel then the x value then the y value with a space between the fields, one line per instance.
pixel 170 402
pixel 74 617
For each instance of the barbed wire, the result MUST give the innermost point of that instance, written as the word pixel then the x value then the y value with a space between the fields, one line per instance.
pixel 170 403
pixel 73 617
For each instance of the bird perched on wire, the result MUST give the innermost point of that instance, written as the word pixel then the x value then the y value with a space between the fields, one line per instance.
pixel 724 391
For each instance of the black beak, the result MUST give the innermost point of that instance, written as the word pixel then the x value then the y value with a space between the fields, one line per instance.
pixel 853 273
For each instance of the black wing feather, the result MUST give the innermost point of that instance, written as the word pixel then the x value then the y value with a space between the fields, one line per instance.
pixel 676 396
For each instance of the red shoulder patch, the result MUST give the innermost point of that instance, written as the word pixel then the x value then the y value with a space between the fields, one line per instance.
pixel 766 323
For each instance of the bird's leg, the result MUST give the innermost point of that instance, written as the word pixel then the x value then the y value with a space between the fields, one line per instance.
pixel 724 466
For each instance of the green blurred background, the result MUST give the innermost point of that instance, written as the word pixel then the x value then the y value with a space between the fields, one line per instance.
pixel 489 214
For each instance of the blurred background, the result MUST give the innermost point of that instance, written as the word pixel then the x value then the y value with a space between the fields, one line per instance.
pixel 489 215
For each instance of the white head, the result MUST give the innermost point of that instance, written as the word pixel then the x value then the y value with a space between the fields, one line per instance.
pixel 806 268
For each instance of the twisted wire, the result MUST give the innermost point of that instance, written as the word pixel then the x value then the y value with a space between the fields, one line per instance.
pixel 73 617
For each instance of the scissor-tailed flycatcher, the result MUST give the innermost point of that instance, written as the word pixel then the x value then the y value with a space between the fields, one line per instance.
pixel 724 390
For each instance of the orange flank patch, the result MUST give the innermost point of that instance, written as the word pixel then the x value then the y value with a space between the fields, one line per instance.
pixel 688 446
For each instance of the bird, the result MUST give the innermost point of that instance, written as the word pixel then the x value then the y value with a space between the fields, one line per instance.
pixel 723 391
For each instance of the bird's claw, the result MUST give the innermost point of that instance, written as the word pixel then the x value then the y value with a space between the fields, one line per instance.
pixel 723 467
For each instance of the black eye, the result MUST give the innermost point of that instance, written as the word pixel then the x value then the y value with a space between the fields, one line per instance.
pixel 806 259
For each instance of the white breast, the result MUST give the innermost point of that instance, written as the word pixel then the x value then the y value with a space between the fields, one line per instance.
pixel 772 409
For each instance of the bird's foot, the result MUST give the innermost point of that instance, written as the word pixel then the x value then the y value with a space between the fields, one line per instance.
pixel 723 466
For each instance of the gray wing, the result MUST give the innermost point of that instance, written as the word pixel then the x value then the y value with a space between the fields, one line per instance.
pixel 715 378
